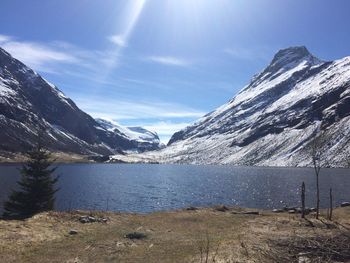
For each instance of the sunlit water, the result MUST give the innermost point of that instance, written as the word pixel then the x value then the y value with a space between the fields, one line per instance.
pixel 146 188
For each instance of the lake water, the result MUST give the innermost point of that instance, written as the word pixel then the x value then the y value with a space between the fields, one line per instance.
pixel 147 187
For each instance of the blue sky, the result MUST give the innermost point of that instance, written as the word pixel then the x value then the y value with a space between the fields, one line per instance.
pixel 162 64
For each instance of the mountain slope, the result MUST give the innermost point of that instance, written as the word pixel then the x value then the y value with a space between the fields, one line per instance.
pixel 272 120
pixel 145 139
pixel 29 103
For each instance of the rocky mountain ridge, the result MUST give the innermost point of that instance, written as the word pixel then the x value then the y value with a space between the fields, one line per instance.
pixel 273 119
pixel 29 103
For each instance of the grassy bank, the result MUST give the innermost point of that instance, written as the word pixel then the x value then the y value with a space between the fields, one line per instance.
pixel 177 236
pixel 59 157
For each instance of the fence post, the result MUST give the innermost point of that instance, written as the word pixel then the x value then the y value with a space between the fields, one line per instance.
pixel 330 204
pixel 303 200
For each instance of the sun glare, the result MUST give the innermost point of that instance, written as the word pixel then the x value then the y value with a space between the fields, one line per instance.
pixel 132 13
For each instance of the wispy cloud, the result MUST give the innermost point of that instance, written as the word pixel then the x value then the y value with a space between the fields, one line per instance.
pixel 170 61
pixel 119 40
pixel 45 57
pixel 38 55
pixel 129 110
pixel 165 129
pixel 4 38
pixel 256 53
pixel 128 22
pixel 55 56
pixel 165 118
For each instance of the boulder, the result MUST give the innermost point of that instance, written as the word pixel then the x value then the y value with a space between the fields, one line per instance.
pixel 277 210
pixel 298 210
pixel 73 232
pixel 136 235
pixel 221 208
pixel 92 219
pixel 345 204
pixel 191 208
pixel 84 219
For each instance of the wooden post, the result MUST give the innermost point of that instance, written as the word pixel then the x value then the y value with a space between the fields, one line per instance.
pixel 303 200
pixel 318 197
pixel 330 204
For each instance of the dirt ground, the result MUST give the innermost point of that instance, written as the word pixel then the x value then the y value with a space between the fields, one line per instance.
pixel 203 235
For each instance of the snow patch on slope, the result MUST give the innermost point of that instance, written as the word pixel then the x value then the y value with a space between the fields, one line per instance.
pixel 133 133
pixel 272 120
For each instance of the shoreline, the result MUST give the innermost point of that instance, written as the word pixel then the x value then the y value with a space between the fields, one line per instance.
pixel 83 160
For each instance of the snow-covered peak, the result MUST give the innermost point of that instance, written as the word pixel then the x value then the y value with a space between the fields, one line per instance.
pixel 133 133
pixel 285 60
pixel 293 54
pixel 286 63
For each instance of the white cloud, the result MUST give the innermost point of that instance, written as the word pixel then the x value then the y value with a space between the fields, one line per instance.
pixel 37 55
pixel 55 56
pixel 257 53
pixel 169 61
pixel 165 129
pixel 4 38
pixel 118 40
pixel 130 110
pixel 149 115
pixel 42 56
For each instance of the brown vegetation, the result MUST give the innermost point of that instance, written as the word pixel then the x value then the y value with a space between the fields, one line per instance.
pixel 203 235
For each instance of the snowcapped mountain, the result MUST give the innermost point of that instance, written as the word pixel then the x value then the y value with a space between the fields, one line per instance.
pixel 146 140
pixel 29 103
pixel 273 119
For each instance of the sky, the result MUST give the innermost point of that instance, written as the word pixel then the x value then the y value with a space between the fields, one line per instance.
pixel 162 64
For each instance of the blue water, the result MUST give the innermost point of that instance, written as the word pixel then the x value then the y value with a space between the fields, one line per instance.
pixel 147 187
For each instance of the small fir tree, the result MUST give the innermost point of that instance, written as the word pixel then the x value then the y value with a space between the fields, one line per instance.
pixel 36 187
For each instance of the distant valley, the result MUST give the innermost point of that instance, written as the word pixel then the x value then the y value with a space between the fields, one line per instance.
pixel 270 122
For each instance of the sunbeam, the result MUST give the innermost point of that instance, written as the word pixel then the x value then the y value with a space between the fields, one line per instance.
pixel 130 18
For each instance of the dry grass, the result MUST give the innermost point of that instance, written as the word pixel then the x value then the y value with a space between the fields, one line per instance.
pixel 322 248
pixel 203 235
pixel 59 157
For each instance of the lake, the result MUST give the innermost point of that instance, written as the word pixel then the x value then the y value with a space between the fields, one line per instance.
pixel 145 188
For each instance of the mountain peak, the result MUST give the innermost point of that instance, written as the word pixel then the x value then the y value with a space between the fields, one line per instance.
pixel 300 51
pixel 291 55
pixel 284 60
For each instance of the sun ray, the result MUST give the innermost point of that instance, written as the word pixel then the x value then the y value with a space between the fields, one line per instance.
pixel 120 39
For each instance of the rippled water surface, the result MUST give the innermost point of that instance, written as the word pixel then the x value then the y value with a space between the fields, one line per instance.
pixel 146 188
